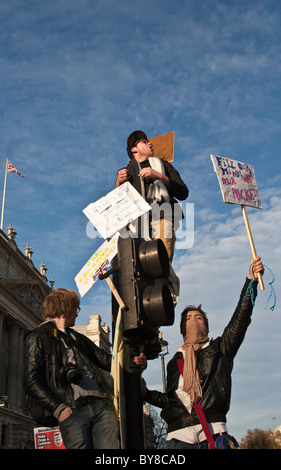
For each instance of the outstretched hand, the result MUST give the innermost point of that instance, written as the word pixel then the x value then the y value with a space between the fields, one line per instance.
pixel 257 267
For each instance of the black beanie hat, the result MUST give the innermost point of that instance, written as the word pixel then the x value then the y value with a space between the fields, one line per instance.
pixel 133 138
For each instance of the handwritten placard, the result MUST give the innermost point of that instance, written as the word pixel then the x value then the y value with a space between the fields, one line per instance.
pixel 237 182
pixel 118 208
pixel 100 261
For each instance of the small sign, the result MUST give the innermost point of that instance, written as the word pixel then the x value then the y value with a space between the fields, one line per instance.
pixel 117 209
pixel 163 146
pixel 48 438
pixel 99 261
pixel 237 182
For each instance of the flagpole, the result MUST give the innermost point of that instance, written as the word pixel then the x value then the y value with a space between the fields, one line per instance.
pixel 4 194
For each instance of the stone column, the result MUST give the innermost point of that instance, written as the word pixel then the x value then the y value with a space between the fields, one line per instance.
pixel 2 316
pixel 13 364
pixel 20 393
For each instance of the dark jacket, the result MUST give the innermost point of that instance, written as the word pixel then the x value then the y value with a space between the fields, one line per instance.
pixel 215 364
pixel 178 189
pixel 43 384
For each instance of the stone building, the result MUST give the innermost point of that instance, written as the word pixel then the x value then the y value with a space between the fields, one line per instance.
pixel 22 291
pixel 96 332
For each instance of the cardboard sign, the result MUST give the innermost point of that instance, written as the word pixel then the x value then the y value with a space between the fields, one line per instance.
pixel 163 146
pixel 118 208
pixel 48 438
pixel 99 261
pixel 237 182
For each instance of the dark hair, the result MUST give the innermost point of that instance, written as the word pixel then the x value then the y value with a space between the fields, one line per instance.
pixel 133 138
pixel 191 308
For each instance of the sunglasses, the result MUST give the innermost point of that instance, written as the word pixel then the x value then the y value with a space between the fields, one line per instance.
pixel 141 140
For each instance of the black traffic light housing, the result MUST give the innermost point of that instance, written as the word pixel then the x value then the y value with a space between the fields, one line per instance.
pixel 143 267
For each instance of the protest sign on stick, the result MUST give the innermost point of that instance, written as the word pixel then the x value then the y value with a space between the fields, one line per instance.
pixel 238 186
pixel 98 262
pixel 97 265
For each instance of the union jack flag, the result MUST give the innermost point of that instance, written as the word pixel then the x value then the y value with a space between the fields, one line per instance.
pixel 12 169
pixel 100 270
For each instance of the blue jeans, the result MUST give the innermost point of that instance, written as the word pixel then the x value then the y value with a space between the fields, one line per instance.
pixel 92 426
pixel 175 444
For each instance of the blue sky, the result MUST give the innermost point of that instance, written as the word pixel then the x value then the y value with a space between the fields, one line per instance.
pixel 77 76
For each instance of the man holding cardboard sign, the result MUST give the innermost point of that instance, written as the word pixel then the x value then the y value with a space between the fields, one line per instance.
pixel 160 185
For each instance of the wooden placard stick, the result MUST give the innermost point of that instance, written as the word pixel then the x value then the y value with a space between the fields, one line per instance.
pixel 105 275
pixel 115 293
pixel 254 253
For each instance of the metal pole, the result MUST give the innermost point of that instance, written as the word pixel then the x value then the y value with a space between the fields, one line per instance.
pixel 133 422
pixel 163 372
pixel 4 194
pixel 131 401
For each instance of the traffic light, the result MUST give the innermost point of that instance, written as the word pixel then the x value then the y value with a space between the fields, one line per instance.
pixel 143 267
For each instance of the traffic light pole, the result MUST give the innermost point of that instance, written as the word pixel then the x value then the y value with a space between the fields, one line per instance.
pixel 131 402
pixel 133 409
pixel 140 273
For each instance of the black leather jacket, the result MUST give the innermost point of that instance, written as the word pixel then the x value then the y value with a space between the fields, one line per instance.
pixel 177 188
pixel 215 366
pixel 41 383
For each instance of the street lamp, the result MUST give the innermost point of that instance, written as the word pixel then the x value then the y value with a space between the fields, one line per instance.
pixel 164 351
pixel 3 400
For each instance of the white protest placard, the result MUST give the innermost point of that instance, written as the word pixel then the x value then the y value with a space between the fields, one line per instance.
pixel 238 186
pixel 237 182
pixel 118 208
pixel 99 261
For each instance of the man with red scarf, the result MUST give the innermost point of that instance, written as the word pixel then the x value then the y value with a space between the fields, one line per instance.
pixel 200 372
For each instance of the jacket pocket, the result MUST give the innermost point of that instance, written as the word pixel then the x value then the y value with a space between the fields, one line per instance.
pixel 220 390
